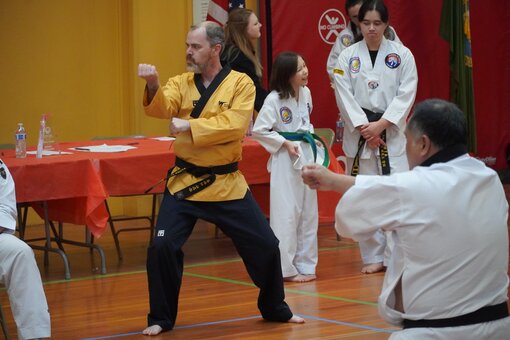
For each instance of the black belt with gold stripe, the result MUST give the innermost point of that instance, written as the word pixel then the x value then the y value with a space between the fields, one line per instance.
pixel 383 149
pixel 199 171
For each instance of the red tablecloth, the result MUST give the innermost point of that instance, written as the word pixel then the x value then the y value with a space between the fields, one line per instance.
pixel 76 185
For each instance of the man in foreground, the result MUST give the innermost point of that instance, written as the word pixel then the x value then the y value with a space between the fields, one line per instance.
pixel 447 277
pixel 210 109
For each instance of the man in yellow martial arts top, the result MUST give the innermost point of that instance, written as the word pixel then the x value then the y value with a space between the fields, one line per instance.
pixel 209 109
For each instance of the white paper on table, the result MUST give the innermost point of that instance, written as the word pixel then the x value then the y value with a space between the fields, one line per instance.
pixel 103 148
pixel 164 139
pixel 50 153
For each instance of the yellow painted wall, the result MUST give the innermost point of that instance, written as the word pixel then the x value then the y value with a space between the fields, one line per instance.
pixel 77 59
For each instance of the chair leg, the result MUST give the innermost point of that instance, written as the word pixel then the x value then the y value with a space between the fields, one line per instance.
pixel 114 232
pixel 4 325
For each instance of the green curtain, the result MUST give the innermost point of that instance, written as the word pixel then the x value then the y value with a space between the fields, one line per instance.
pixel 456 30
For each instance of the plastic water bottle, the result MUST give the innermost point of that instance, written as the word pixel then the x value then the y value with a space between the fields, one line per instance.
pixel 339 134
pixel 21 141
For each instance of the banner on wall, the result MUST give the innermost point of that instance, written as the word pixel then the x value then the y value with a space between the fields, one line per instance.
pixel 309 28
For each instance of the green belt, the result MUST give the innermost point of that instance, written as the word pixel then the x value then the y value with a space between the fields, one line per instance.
pixel 310 139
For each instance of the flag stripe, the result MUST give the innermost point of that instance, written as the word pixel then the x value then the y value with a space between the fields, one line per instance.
pixel 217 13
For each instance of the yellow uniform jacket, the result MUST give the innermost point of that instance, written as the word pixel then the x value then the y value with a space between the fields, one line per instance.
pixel 215 136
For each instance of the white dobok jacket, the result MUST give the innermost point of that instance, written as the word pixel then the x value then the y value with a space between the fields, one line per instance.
pixel 284 115
pixel 389 88
pixel 345 39
pixel 451 237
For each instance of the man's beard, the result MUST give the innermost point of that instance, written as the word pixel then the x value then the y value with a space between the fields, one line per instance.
pixel 193 67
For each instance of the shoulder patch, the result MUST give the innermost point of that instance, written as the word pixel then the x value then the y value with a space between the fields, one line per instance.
pixel 346 40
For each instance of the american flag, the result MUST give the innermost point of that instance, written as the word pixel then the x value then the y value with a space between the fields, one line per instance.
pixel 218 9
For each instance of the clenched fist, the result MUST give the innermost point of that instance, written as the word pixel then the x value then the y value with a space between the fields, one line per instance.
pixel 150 74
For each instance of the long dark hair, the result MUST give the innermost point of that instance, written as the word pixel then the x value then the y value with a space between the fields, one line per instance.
pixel 235 34
pixel 284 68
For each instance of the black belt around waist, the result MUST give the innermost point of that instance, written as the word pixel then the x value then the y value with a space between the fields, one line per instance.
pixel 383 149
pixel 484 314
pixel 199 171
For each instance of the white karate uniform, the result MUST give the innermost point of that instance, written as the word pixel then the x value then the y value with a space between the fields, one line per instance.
pixel 293 205
pixel 344 40
pixel 18 269
pixel 388 87
pixel 451 243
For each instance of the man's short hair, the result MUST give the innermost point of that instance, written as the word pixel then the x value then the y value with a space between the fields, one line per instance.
pixel 213 31
pixel 443 122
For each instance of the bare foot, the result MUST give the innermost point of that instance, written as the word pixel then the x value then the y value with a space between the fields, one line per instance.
pixel 152 330
pixel 300 278
pixel 296 319
pixel 372 268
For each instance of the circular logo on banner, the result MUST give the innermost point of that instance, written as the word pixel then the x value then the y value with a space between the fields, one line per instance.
pixel 354 64
pixel 392 60
pixel 286 115
pixel 331 23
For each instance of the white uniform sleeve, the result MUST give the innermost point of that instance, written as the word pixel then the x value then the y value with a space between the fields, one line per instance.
pixel 344 94
pixel 373 203
pixel 7 199
pixel 401 104
pixel 333 57
pixel 263 131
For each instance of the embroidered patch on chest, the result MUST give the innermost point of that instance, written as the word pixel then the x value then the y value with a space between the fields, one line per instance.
pixel 286 115
pixel 392 60
pixel 373 84
pixel 354 64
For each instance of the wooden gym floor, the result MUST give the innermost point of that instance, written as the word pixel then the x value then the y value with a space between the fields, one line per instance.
pixel 218 299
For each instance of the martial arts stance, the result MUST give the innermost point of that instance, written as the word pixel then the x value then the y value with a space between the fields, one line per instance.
pixel 210 109
pixel 18 269
pixel 283 128
pixel 375 87
pixel 447 278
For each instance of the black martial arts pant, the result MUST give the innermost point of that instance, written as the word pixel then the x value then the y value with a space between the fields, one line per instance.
pixel 242 221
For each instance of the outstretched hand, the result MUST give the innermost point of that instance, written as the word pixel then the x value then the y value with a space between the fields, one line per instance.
pixel 318 177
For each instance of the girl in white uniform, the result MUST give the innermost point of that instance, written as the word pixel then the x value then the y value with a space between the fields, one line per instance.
pixel 293 206
pixel 378 76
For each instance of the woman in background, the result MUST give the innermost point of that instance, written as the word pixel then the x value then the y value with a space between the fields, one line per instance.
pixel 242 32
pixel 375 87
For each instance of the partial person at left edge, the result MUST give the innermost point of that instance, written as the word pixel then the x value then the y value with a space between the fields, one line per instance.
pixel 209 110
pixel 18 269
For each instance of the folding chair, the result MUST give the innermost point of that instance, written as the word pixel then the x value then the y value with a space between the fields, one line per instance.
pixel 111 220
